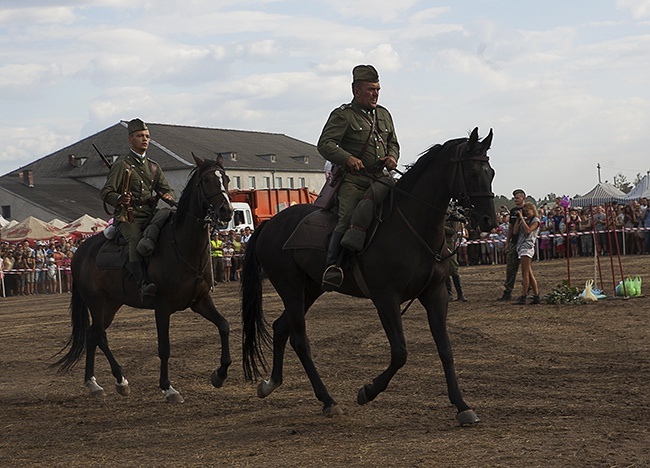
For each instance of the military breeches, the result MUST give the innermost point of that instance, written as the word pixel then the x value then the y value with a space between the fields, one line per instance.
pixel 132 232
pixel 512 265
pixel 349 196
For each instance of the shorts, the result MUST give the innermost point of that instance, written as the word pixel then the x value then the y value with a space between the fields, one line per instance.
pixel 526 252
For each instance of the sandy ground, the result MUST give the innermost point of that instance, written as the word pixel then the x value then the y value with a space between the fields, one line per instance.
pixel 553 386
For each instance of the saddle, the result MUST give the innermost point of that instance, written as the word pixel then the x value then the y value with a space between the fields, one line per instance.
pixel 313 232
pixel 114 253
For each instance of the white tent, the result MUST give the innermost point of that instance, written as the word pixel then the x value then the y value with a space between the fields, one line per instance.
pixel 32 229
pixel 85 226
pixel 58 223
pixel 601 193
pixel 642 190
pixel 3 222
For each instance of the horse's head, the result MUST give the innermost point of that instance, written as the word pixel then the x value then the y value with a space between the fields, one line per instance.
pixel 213 184
pixel 472 181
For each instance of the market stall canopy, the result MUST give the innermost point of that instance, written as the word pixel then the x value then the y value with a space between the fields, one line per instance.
pixel 600 194
pixel 85 226
pixel 56 222
pixel 32 229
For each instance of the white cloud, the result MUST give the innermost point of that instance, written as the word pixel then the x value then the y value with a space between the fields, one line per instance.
pixel 639 8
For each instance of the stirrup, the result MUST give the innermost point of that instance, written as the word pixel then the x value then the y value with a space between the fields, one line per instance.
pixel 148 291
pixel 332 278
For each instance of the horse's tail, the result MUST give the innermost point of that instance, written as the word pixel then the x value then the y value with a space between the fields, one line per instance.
pixel 255 335
pixel 77 341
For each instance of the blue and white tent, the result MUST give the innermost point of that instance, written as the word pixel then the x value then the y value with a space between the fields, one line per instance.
pixel 600 194
pixel 642 190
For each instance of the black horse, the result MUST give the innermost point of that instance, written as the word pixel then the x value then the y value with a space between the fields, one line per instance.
pixel 180 267
pixel 458 169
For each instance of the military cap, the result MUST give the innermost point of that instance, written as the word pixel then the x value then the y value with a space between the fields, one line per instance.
pixel 516 191
pixel 365 73
pixel 136 125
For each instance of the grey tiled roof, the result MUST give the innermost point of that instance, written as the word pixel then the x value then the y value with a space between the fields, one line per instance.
pixel 65 198
pixel 58 185
pixel 172 147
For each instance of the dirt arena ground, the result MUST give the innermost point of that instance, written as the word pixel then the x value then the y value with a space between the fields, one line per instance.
pixel 553 386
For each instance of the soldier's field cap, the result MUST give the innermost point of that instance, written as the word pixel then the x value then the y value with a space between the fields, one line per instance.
pixel 365 73
pixel 137 125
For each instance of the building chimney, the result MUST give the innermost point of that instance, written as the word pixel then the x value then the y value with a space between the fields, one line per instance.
pixel 28 177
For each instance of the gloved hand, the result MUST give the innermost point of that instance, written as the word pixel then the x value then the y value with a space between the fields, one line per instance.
pixel 388 162
pixel 124 199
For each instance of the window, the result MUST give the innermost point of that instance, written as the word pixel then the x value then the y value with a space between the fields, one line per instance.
pixel 266 182
pixel 290 182
pixel 301 182
pixel 236 182
pixel 278 182
pixel 251 182
pixel 6 211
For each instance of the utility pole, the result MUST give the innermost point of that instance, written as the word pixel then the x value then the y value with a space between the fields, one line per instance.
pixel 598 166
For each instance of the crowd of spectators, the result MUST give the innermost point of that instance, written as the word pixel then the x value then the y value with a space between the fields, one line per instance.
pixel 41 267
pixel 614 228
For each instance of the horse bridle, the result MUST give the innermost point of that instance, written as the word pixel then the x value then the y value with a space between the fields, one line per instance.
pixel 206 197
pixel 221 174
pixel 463 195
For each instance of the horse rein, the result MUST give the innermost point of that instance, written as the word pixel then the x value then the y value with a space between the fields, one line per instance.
pixel 464 198
pixel 205 197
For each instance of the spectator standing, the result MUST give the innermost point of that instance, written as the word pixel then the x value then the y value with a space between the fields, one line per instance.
pixel 526 230
pixel 216 252
pixel 646 227
pixel 451 233
pixel 586 234
pixel 512 259
pixel 228 253
pixel 600 226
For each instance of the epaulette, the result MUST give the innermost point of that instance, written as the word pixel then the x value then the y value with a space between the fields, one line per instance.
pixel 346 106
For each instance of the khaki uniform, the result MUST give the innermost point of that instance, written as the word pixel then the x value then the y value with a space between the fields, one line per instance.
pixel 345 134
pixel 142 186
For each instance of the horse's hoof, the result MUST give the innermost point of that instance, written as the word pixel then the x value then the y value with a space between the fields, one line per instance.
pixel 467 418
pixel 172 396
pixel 217 382
pixel 123 387
pixel 123 390
pixel 362 397
pixel 266 387
pixel 96 391
pixel 331 411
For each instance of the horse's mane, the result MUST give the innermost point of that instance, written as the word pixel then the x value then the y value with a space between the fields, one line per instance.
pixel 411 176
pixel 183 206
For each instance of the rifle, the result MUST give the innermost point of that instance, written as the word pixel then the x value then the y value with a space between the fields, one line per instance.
pixel 107 163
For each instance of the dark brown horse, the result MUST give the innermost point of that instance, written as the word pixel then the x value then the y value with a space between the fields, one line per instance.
pixel 458 169
pixel 180 267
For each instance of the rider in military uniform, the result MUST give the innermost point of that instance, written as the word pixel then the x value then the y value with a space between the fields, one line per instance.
pixel 135 204
pixel 359 137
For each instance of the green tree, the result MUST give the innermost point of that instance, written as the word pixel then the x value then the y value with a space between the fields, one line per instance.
pixel 621 183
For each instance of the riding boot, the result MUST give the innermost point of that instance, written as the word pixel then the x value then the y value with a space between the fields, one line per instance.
pixel 147 289
pixel 333 275
pixel 459 288
pixel 449 291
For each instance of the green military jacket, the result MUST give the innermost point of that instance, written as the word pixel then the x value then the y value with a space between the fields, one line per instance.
pixel 346 132
pixel 143 183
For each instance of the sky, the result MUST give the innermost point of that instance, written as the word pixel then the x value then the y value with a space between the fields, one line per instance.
pixel 563 84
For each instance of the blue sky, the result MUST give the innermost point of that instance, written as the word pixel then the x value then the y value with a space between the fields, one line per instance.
pixel 564 84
